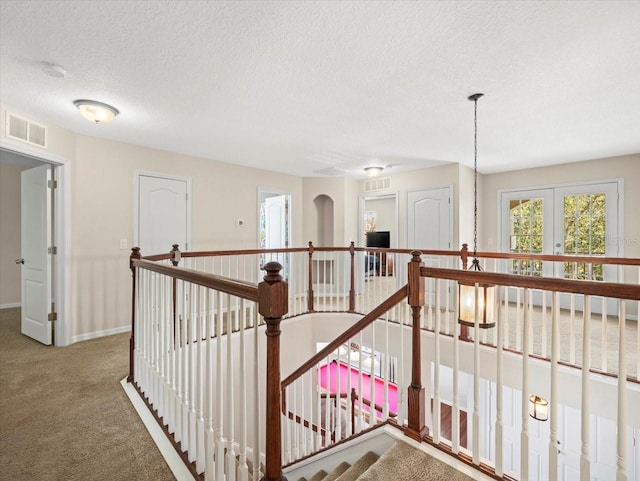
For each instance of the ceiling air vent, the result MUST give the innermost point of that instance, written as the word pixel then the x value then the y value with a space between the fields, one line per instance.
pixel 375 185
pixel 24 130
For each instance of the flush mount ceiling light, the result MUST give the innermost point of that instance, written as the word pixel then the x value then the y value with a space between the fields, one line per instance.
pixel 96 112
pixel 476 301
pixel 373 171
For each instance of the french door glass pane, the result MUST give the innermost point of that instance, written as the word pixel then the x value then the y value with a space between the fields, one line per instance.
pixel 584 233
pixel 526 234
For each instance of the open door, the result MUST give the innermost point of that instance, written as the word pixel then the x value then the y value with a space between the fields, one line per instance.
pixel 36 261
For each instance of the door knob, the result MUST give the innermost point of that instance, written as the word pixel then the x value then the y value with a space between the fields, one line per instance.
pixel 19 261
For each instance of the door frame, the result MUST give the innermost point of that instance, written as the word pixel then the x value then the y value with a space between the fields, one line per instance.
pixel 136 205
pixel 62 235
pixel 361 205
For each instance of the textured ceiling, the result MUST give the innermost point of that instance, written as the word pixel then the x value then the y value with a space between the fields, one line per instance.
pixel 300 87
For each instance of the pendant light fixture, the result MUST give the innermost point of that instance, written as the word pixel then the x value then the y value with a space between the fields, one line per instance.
pixel 538 408
pixel 471 294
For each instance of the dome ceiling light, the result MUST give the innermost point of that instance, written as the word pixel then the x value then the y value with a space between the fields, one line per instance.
pixel 96 112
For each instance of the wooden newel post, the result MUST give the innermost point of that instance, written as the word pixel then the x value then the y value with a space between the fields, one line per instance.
pixel 135 254
pixel 416 428
pixel 464 256
pixel 352 288
pixel 273 303
pixel 310 288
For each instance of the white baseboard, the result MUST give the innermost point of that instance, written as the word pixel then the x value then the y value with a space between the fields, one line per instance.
pixel 96 334
pixel 10 305
pixel 165 447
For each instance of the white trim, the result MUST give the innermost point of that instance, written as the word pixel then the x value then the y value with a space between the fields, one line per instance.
pixel 10 305
pixel 169 454
pixel 96 334
pixel 136 182
pixel 62 335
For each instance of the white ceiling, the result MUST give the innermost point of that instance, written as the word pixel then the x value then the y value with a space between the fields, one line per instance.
pixel 299 87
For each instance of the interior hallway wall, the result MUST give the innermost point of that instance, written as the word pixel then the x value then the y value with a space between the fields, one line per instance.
pixel 10 236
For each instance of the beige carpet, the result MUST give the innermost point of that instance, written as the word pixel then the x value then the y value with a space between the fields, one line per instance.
pixel 405 463
pixel 64 415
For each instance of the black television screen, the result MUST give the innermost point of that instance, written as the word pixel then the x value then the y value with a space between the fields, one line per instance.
pixel 379 239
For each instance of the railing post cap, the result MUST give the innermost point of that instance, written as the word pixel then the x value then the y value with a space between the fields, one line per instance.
pixel 273 272
pixel 135 251
pixel 416 256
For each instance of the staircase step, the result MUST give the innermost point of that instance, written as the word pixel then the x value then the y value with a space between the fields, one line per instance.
pixel 335 474
pixel 359 467
pixel 402 462
pixel 319 476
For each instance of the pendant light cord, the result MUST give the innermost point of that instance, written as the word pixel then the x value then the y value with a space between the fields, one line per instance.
pixel 475 264
pixel 475 179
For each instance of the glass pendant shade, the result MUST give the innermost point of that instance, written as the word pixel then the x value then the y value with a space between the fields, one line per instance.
pixel 96 112
pixel 538 408
pixel 467 305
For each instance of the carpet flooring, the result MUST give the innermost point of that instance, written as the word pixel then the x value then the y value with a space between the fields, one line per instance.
pixel 64 415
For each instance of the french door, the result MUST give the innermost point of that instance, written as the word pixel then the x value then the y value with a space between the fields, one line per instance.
pixel 579 220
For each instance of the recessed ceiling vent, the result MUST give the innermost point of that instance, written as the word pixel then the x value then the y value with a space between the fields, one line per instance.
pixel 24 130
pixel 331 171
pixel 374 185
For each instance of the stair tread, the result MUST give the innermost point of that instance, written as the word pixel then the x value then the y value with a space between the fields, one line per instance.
pixel 359 467
pixel 338 470
pixel 319 476
pixel 402 462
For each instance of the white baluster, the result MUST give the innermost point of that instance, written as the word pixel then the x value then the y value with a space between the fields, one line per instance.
pixel 524 435
pixel 373 416
pixel 572 329
pixel 256 394
pixel 476 379
pixel 230 398
pixel 585 462
pixel 193 375
pixel 209 445
pixel 621 470
pixel 219 423
pixel 499 382
pixel 455 407
pixel 553 408
pixel 243 468
pixel 436 367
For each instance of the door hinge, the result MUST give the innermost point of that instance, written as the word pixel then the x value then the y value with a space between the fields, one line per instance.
pixel 52 184
pixel 52 250
pixel 53 316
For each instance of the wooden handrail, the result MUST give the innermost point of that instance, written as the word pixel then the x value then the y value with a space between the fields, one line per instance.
pixel 593 288
pixel 390 302
pixel 242 289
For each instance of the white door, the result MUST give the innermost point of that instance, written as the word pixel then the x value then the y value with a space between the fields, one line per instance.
pixel 36 267
pixel 429 228
pixel 277 229
pixel 429 219
pixel 163 216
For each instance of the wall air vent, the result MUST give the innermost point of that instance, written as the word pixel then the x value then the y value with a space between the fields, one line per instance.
pixel 374 185
pixel 24 130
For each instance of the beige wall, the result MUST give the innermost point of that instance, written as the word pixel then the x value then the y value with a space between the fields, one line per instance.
pixel 103 214
pixel 625 167
pixel 342 192
pixel 385 210
pixel 9 233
